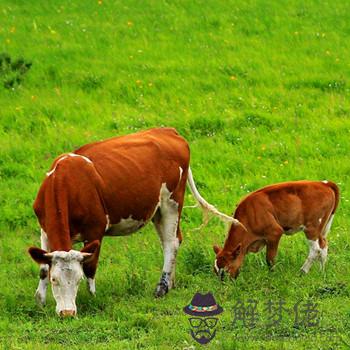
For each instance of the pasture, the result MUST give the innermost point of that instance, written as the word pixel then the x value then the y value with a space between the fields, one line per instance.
pixel 261 92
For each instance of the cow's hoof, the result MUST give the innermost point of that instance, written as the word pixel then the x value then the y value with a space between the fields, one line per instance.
pixel 303 272
pixel 40 298
pixel 270 265
pixel 91 286
pixel 160 291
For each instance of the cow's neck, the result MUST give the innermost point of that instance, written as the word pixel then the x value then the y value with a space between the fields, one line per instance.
pixel 56 217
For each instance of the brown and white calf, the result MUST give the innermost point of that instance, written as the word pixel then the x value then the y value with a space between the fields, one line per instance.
pixel 110 188
pixel 267 213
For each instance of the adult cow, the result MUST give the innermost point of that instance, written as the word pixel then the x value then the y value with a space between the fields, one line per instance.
pixel 266 214
pixel 110 188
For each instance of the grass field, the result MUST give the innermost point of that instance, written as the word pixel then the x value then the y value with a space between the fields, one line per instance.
pixel 261 92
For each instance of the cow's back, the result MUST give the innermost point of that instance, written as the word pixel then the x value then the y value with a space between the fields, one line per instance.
pixel 134 167
pixel 289 203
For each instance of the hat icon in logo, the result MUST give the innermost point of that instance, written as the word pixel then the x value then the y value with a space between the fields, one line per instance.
pixel 203 307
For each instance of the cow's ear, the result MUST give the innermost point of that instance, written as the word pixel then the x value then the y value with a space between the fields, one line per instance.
pixel 90 249
pixel 41 256
pixel 216 249
pixel 236 251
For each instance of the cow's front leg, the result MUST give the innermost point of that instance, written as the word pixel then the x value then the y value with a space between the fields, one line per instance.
pixel 167 278
pixel 91 284
pixel 166 223
pixel 272 247
pixel 89 269
pixel 40 293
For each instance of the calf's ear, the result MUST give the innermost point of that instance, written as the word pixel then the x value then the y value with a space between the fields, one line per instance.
pixel 216 249
pixel 90 249
pixel 40 256
pixel 237 251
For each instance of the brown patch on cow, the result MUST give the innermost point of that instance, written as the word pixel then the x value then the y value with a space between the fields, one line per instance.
pixel 44 272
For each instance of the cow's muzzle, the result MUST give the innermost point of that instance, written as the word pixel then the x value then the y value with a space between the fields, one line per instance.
pixel 219 271
pixel 67 313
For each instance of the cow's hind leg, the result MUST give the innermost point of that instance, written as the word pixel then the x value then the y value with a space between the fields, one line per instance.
pixel 316 236
pixel 317 248
pixel 40 294
pixel 323 242
pixel 314 252
pixel 166 222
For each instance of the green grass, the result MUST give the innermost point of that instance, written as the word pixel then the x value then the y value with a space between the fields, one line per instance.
pixel 259 89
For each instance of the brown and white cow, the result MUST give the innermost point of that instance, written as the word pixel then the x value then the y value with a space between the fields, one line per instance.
pixel 110 188
pixel 266 214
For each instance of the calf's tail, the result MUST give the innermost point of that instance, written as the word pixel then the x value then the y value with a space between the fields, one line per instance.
pixel 335 189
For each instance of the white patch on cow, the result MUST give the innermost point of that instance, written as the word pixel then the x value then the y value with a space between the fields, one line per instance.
pixel 294 230
pixel 125 227
pixel 66 156
pixel 43 240
pixel 166 225
pixel 328 226
pixel 108 223
pixel 323 256
pixel 40 293
pixel 320 220
pixel 53 170
pixel 325 181
pixel 181 172
pixel 65 275
pixel 216 266
pixel 91 285
pixel 79 155
pixel 314 253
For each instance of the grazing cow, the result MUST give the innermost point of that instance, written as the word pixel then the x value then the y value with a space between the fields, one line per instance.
pixel 110 188
pixel 266 214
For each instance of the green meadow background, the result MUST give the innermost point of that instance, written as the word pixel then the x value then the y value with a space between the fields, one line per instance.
pixel 260 89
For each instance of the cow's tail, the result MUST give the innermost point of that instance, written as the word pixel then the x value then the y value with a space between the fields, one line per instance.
pixel 335 189
pixel 206 207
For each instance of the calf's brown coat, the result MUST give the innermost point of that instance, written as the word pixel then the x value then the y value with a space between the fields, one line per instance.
pixel 273 210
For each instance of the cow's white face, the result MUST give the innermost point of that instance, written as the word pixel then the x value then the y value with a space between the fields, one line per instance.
pixel 65 275
pixel 66 272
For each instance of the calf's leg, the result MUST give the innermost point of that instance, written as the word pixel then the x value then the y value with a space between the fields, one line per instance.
pixel 314 253
pixel 40 293
pixel 272 246
pixel 323 251
pixel 318 248
pixel 323 242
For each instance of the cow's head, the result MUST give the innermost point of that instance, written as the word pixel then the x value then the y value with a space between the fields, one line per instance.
pixel 66 272
pixel 229 261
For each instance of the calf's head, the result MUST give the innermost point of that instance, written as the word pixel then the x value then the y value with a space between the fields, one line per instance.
pixel 66 272
pixel 228 260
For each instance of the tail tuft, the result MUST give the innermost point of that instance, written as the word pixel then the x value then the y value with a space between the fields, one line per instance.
pixel 206 207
